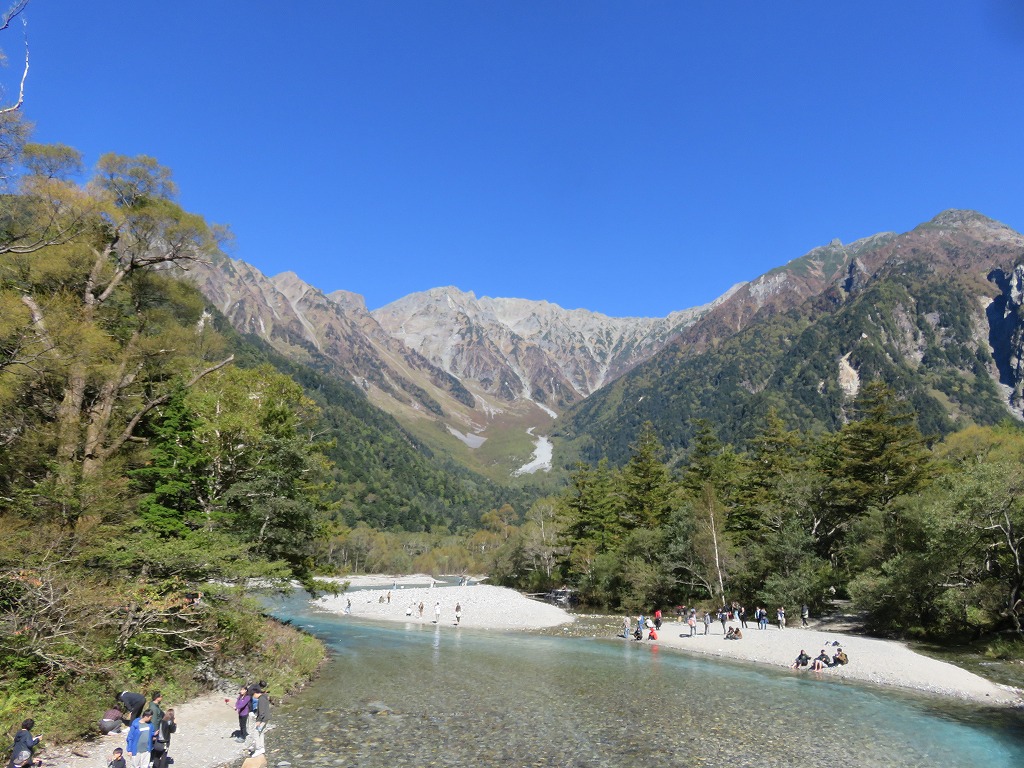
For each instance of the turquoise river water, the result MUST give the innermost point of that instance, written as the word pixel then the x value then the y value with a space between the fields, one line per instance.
pixel 398 695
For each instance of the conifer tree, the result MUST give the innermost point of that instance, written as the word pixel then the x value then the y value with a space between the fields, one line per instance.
pixel 648 488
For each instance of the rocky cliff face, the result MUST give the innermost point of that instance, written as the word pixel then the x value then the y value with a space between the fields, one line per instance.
pixel 519 349
pixel 476 366
pixel 333 331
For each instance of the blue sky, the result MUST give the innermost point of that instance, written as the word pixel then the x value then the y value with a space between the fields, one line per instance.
pixel 630 158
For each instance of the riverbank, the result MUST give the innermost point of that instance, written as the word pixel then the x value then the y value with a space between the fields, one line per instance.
pixel 483 606
pixel 883 662
pixel 203 738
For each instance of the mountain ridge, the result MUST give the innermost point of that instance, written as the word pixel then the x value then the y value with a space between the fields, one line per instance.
pixel 475 367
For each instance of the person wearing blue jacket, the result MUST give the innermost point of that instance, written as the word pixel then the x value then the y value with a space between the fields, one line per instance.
pixel 24 745
pixel 140 741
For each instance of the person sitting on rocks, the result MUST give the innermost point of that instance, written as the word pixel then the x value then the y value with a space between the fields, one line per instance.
pixel 734 634
pixel 801 660
pixel 821 661
pixel 111 721
pixel 840 658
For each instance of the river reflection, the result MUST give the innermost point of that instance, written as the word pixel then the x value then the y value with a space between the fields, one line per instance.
pixel 419 695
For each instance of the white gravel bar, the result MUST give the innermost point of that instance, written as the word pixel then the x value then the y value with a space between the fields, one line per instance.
pixel 483 606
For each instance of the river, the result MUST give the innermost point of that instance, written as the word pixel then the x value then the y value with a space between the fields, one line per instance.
pixel 457 697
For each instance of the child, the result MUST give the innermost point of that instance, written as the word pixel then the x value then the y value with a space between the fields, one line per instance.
pixel 117 759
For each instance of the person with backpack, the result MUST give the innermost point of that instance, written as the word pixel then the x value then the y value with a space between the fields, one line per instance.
pixel 162 739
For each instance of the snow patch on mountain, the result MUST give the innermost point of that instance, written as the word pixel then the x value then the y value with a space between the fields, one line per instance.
pixel 473 441
pixel 543 453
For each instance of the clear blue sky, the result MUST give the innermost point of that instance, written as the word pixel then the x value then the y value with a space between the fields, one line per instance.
pixel 630 158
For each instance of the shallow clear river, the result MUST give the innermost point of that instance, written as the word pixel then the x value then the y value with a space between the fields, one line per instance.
pixel 471 698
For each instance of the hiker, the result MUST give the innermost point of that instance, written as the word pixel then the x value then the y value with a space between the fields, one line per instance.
pixel 262 718
pixel 162 739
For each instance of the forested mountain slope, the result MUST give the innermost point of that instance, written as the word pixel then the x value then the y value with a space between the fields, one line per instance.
pixel 381 475
pixel 934 312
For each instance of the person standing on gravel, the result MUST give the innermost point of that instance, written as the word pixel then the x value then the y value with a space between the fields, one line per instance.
pixel 437 612
pixel 262 718
pixel 162 739
pixel 781 616
pixel 242 705
pixel 458 613
pixel 156 711
pixel 805 614
pixel 140 741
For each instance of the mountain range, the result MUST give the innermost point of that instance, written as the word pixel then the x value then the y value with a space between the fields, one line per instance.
pixel 936 311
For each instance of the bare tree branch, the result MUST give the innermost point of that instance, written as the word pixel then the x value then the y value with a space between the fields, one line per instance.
pixel 12 13
pixel 18 8
pixel 155 402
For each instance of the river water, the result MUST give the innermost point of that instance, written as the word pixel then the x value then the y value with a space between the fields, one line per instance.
pixel 418 695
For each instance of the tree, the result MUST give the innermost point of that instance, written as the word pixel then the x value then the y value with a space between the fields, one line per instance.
pixel 102 337
pixel 591 508
pixel 876 458
pixel 648 490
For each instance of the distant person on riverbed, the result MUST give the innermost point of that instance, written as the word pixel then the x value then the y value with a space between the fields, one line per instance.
pixel 707 621
pixel 781 616
pixel 821 661
pixel 805 614
pixel 625 627
pixel 691 622
pixel 458 613
pixel 421 609
pixel 437 611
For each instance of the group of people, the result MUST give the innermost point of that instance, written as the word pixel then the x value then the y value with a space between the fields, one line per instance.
pixel 822 660
pixel 150 728
pixel 253 708
pixel 652 625
pixel 412 607
pixel 723 615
